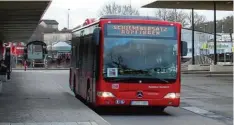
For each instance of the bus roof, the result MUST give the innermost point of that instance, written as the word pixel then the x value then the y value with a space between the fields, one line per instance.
pixel 129 17
pixel 118 17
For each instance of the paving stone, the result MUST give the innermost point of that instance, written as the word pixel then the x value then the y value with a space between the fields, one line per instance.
pixel 39 98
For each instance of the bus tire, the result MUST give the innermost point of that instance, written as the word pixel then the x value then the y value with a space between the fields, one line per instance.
pixel 160 109
pixel 88 92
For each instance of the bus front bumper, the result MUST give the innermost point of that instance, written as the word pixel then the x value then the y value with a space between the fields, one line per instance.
pixel 137 102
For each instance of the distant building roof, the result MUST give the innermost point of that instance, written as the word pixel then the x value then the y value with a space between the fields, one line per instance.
pixel 50 22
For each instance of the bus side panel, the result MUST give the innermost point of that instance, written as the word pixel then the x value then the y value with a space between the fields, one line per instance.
pixel 89 68
pixel 179 28
pixel 99 86
pixel 86 63
pixel 76 66
pixel 71 73
pixel 70 78
pixel 85 73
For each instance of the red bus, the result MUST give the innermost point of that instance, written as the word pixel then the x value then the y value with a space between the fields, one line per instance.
pixel 127 61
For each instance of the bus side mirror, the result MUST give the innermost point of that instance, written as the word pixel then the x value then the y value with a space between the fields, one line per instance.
pixel 96 35
pixel 184 48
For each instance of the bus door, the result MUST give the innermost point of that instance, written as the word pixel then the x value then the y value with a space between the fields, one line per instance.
pixel 80 65
pixel 75 56
pixel 8 61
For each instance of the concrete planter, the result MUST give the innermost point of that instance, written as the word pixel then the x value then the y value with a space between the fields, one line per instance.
pixel 221 68
pixel 198 67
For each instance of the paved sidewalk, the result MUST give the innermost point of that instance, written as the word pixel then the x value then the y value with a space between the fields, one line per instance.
pixel 41 69
pixel 53 123
pixel 40 98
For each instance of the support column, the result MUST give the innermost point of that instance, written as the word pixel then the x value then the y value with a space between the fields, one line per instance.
pixel 193 59
pixel 215 49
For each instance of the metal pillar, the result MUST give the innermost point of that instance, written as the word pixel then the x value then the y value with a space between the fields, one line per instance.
pixel 193 59
pixel 215 49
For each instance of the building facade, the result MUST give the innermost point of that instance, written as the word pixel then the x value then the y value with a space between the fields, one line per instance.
pixel 204 43
pixel 50 38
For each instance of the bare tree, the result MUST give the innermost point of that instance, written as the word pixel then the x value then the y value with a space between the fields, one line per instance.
pixel 198 19
pixel 162 14
pixel 113 8
pixel 173 15
pixel 178 16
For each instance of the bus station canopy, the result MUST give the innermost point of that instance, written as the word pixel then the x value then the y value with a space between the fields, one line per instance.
pixel 19 18
pixel 225 5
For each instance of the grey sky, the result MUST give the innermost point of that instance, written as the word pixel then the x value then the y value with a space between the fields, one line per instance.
pixel 81 10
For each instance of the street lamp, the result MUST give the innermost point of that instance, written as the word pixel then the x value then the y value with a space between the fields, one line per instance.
pixel 68 19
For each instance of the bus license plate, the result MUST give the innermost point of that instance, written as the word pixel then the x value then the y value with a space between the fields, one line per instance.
pixel 139 103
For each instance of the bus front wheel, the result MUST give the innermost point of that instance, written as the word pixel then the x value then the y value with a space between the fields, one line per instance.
pixel 160 109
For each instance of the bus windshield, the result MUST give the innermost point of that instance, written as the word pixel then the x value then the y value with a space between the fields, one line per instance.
pixel 135 57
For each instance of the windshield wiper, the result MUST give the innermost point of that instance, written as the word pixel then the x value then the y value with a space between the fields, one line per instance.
pixel 162 80
pixel 137 79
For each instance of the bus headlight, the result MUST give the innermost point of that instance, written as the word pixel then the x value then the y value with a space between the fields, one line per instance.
pixel 105 94
pixel 172 95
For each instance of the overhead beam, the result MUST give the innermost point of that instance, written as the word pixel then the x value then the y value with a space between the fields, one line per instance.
pixel 19 19
pixel 20 16
pixel 17 25
pixel 19 22
pixel 18 31
pixel 17 36
pixel 21 11
pixel 12 28
pixel 17 5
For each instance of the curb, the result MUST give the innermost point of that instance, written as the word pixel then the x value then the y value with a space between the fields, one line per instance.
pixel 208 73
pixel 219 75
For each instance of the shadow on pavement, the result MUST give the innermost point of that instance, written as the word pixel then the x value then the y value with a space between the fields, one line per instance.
pixel 126 111
pixel 130 111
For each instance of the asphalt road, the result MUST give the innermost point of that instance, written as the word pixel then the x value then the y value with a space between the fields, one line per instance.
pixel 205 101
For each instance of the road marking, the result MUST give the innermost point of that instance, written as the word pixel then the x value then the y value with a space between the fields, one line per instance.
pixel 197 110
pixel 204 112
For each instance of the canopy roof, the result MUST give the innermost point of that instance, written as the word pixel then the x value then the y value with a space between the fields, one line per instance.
pixel 61 46
pixel 225 5
pixel 19 18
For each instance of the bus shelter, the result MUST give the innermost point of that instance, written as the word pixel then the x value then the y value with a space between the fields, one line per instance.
pixel 225 5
